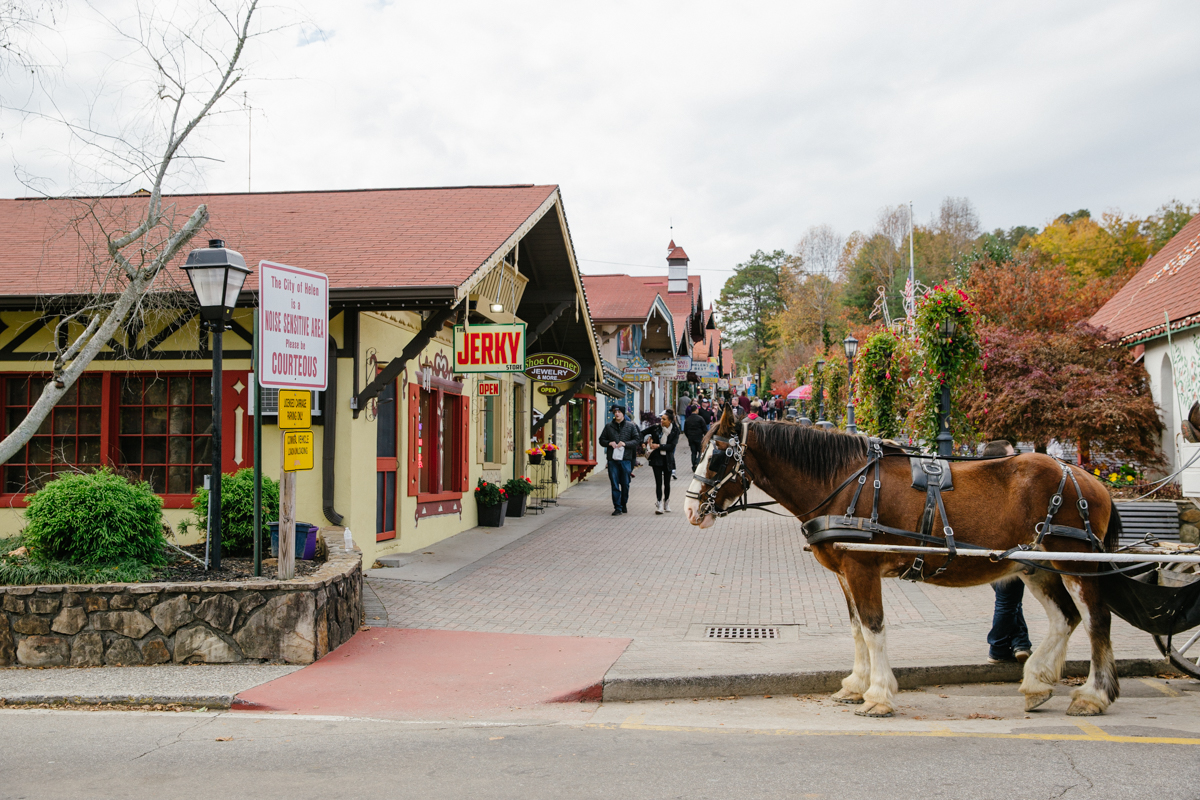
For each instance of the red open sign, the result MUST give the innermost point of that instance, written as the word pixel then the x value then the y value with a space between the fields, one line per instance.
pixel 489 389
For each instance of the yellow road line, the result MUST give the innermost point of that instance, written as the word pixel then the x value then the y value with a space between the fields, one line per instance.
pixel 1162 687
pixel 1092 733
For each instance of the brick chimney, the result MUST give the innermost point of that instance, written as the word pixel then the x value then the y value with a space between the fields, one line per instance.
pixel 677 273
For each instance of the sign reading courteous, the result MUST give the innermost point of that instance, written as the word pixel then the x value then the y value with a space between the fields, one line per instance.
pixel 551 367
pixel 297 450
pixel 293 309
pixel 489 348
pixel 295 409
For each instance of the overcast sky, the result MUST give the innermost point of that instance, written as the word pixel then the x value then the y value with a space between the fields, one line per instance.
pixel 741 124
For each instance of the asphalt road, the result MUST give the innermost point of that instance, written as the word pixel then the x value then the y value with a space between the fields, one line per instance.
pixel 775 747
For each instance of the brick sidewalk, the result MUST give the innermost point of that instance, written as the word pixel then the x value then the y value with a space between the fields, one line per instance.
pixel 651 578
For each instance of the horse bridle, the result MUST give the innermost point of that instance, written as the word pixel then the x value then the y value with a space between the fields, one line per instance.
pixel 728 449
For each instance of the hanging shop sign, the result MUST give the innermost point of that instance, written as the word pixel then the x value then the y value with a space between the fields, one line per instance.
pixel 636 370
pixel 489 389
pixel 712 380
pixel 683 365
pixel 705 369
pixel 489 348
pixel 551 367
pixel 293 309
pixel 549 389
pixel 723 383
pixel 667 368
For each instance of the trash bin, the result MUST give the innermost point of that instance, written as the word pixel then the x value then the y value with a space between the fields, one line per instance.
pixel 306 540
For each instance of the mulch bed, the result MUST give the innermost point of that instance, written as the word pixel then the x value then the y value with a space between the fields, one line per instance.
pixel 233 568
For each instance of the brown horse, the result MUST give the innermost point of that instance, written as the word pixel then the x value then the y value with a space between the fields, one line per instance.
pixel 996 504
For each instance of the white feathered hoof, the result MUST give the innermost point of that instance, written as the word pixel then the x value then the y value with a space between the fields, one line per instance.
pixel 848 697
pixel 876 710
pixel 1036 699
pixel 1081 707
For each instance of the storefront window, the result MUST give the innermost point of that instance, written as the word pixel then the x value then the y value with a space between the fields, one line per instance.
pixel 448 435
pixel 581 415
pixel 68 440
pixel 437 450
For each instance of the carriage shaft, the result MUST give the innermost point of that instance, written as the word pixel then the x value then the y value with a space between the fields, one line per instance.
pixel 1024 555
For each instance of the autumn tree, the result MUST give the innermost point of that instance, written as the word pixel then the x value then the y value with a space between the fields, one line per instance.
pixel 1073 384
pixel 186 60
pixel 749 300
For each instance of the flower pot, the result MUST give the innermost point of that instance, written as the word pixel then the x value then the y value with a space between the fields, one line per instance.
pixel 492 516
pixel 551 455
pixel 535 458
pixel 516 505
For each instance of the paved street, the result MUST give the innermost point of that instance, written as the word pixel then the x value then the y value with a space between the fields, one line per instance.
pixel 655 579
pixel 961 742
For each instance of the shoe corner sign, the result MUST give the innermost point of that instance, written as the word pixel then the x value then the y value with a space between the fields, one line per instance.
pixel 552 370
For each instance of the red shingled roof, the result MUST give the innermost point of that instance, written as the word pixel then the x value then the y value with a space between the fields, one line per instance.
pixel 1169 282
pixel 677 253
pixel 374 238
pixel 726 362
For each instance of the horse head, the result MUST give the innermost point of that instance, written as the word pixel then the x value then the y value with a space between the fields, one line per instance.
pixel 716 484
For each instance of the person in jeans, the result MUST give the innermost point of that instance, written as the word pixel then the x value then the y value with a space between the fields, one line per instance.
pixel 620 438
pixel 660 446
pixel 694 428
pixel 1008 640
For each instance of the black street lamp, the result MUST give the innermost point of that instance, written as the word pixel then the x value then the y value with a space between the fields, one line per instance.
pixel 851 346
pixel 818 368
pixel 216 275
pixel 945 440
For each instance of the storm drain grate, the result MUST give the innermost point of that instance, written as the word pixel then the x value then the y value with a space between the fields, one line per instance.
pixel 742 632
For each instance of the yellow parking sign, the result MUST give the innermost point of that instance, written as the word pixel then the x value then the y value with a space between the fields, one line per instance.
pixel 295 409
pixel 297 450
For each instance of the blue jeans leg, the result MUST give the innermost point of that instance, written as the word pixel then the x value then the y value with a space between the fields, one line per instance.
pixel 618 480
pixel 1009 632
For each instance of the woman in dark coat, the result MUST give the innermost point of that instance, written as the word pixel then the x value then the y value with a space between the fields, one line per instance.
pixel 694 428
pixel 660 447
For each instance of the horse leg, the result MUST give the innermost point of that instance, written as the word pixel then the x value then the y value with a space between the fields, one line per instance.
pixel 1102 686
pixel 1045 665
pixel 867 593
pixel 857 682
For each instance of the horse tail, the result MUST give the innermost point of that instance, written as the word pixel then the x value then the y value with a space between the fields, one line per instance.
pixel 1112 537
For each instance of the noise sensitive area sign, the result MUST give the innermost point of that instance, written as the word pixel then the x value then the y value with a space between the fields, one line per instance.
pixel 293 314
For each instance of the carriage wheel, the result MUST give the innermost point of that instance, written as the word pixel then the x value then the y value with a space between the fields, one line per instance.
pixel 1184 652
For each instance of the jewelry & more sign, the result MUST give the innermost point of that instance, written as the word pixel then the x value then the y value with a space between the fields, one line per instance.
pixel 489 348
pixel 551 367
pixel 293 314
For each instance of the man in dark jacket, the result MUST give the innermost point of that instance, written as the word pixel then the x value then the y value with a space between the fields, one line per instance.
pixel 620 439
pixel 694 429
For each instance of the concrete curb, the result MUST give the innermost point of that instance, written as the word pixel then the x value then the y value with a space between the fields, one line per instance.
pixel 817 682
pixel 216 701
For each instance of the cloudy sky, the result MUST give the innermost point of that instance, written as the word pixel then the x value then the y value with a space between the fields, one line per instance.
pixel 740 124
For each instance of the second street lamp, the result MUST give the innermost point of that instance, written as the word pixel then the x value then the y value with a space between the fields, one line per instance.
pixel 217 275
pixel 851 346
pixel 817 370
pixel 945 440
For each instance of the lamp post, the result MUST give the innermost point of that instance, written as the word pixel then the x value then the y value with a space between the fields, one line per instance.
pixel 851 346
pixel 216 275
pixel 945 440
pixel 817 370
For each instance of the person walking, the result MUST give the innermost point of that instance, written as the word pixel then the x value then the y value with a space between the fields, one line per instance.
pixel 620 438
pixel 744 402
pixel 706 413
pixel 694 428
pixel 1008 640
pixel 660 445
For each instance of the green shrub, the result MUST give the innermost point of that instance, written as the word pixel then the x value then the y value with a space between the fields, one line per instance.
pixel 237 511
pixel 98 518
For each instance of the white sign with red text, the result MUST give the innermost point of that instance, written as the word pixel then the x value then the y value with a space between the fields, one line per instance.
pixel 293 314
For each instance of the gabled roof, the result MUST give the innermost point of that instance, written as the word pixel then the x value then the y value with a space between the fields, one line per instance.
pixel 1168 286
pixel 366 239
pixel 677 252
pixel 726 362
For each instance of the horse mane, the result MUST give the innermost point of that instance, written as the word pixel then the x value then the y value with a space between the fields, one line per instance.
pixel 821 454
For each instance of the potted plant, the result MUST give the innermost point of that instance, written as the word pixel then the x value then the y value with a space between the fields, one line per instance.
pixel 491 501
pixel 551 450
pixel 535 454
pixel 518 489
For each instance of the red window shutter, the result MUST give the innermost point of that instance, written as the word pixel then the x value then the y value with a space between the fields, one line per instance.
pixel 464 442
pixel 237 444
pixel 414 415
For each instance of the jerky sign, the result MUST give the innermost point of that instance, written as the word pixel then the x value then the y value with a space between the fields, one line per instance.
pixel 489 348
pixel 551 367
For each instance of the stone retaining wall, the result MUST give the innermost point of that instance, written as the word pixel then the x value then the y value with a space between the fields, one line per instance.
pixel 127 624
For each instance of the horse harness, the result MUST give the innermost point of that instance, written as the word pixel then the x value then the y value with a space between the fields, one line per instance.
pixel 930 473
